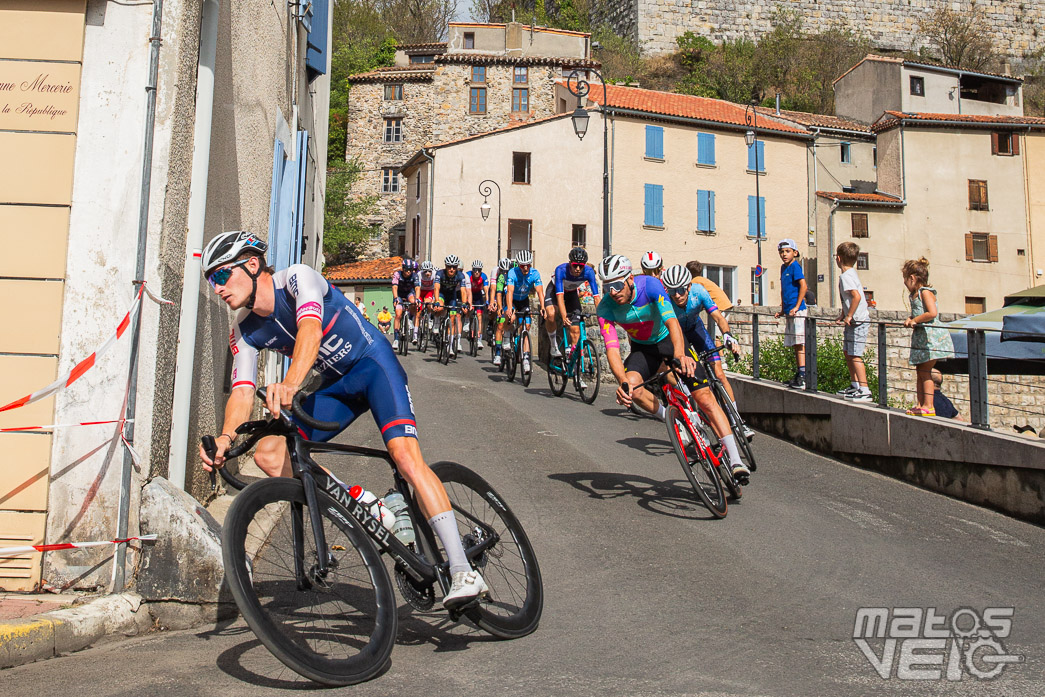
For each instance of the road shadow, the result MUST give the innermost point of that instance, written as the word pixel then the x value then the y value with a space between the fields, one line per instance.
pixel 654 447
pixel 673 498
pixel 622 413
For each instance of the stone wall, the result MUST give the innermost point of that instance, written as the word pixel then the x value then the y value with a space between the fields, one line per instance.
pixel 1012 399
pixel 1015 25
pixel 433 112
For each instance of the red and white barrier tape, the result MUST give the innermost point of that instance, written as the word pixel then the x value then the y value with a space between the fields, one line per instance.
pixel 49 427
pixel 14 551
pixel 87 363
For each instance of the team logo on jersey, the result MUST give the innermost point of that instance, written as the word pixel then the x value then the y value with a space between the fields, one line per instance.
pixel 292 281
pixel 232 342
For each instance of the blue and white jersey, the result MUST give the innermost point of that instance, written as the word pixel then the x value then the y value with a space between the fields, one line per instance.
pixel 523 286
pixel 302 293
pixel 566 282
pixel 698 300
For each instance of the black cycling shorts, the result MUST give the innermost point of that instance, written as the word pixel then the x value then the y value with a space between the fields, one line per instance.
pixel 570 298
pixel 646 360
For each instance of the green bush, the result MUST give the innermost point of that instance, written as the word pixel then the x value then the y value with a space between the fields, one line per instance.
pixel 777 362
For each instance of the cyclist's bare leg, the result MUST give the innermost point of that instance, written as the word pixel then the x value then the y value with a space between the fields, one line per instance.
pixel 640 395
pixel 709 405
pixel 720 373
pixel 272 457
pixel 575 334
pixel 406 452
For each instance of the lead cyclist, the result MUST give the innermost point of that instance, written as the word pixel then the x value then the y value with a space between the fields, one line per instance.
pixel 296 312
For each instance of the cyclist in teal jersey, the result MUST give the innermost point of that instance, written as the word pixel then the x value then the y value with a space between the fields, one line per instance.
pixel 642 308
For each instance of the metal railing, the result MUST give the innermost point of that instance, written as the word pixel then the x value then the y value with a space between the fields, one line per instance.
pixel 890 339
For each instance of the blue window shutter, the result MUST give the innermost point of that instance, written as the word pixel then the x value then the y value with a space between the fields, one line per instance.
pixel 658 209
pixel 649 141
pixel 706 148
pixel 751 158
pixel 751 230
pixel 760 163
pixel 649 205
pixel 658 143
pixel 703 219
pixel 711 208
pixel 316 54
pixel 762 214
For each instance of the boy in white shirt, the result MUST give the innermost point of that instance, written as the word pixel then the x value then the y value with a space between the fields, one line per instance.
pixel 856 319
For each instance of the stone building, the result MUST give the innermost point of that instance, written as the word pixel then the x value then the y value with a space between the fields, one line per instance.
pixel 101 188
pixel 485 77
pixel 1014 25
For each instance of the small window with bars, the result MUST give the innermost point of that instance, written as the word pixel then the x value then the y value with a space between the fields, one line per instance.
pixel 861 261
pixel 579 238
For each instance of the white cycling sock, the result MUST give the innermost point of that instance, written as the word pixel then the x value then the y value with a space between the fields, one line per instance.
pixel 730 444
pixel 661 412
pixel 445 526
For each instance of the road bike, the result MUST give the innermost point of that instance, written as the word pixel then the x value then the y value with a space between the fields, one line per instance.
pixel 446 336
pixel 406 326
pixel 303 558
pixel 705 468
pixel 736 421
pixel 580 362
pixel 516 348
pixel 473 319
pixel 425 328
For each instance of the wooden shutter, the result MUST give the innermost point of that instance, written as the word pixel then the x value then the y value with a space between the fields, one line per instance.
pixel 994 143
pixel 968 247
pixel 992 247
pixel 974 194
pixel 1015 143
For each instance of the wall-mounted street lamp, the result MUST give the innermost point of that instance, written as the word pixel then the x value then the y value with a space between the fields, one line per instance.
pixel 484 210
pixel 751 138
pixel 579 87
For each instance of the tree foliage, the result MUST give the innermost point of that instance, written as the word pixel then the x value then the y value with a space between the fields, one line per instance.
pixel 345 232
pixel 417 21
pixel 961 38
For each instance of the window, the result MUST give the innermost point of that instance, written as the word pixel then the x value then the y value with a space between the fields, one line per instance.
pixel 705 211
pixel 756 157
pixel 859 225
pixel 520 99
pixel 477 101
pixel 874 156
pixel 580 236
pixel 421 59
pixel 520 75
pixel 861 261
pixel 974 306
pixel 706 149
pixel 980 246
pixel 316 41
pixel 417 190
pixel 756 298
pixel 520 168
pixel 1005 143
pixel 724 277
pixel 756 216
pixel 393 92
pixel 519 234
pixel 978 195
pixel 869 297
pixel 654 206
pixel 389 180
pixel 478 73
pixel 845 153
pixel 654 143
pixel 918 86
pixel 393 130
pixel 469 39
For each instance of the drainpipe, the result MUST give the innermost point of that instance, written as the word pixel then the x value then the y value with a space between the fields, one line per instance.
pixel 1030 219
pixel 190 290
pixel 431 197
pixel 831 244
pixel 123 512
pixel 613 159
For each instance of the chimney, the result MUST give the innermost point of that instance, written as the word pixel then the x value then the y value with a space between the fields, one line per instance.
pixel 513 37
pixel 778 104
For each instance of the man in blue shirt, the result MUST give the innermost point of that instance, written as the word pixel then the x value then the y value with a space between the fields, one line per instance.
pixel 793 307
pixel 521 282
pixel 563 295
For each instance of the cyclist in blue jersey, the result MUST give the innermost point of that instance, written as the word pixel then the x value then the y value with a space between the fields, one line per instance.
pixel 404 291
pixel 689 300
pixel 520 283
pixel 450 287
pixel 296 312
pixel 565 298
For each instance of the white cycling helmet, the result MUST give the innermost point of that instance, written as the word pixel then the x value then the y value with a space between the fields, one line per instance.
pixel 652 261
pixel 477 264
pixel 614 266
pixel 677 276
pixel 505 264
pixel 229 245
pixel 427 266
pixel 452 260
pixel 525 257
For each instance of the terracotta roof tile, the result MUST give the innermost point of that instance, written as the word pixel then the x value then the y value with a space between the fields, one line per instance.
pixel 818 120
pixel 687 106
pixel 374 269
pixel 848 197
pixel 501 59
pixel 409 48
pixel 525 27
pixel 396 73
pixel 891 119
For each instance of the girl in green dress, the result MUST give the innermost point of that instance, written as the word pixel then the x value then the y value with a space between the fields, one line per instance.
pixel 929 341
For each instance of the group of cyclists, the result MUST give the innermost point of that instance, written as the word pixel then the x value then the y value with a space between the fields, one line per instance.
pixel 658 308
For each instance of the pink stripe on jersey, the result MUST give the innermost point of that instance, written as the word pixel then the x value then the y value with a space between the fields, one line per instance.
pixel 310 309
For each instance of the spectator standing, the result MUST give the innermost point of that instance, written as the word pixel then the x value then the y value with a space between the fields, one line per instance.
pixel 944 407
pixel 793 307
pixel 929 341
pixel 856 319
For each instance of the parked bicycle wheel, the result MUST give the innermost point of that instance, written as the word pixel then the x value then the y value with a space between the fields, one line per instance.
pixel 338 629
pixel 509 566
pixel 588 374
pixel 699 470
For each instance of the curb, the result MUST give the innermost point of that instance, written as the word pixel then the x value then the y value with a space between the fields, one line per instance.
pixel 62 631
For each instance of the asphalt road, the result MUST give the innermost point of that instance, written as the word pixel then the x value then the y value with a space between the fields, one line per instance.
pixel 645 593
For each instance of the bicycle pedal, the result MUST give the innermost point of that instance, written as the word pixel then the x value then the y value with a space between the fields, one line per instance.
pixel 741 479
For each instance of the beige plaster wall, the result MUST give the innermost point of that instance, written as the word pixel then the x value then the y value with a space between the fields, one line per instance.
pixel 941 92
pixel 1034 164
pixel 885 238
